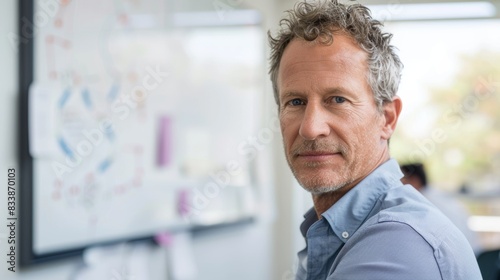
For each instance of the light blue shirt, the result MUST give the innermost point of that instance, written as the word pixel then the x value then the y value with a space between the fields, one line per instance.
pixel 383 230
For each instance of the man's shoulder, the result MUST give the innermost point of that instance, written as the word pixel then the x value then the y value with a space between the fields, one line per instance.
pixel 386 250
pixel 405 205
pixel 395 250
pixel 408 234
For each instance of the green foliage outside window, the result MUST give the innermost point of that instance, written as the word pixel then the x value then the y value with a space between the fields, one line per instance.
pixel 462 144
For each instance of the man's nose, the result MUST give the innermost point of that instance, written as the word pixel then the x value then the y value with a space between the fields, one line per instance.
pixel 314 122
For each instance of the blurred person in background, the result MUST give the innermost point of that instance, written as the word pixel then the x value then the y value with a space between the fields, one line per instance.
pixel 335 77
pixel 415 175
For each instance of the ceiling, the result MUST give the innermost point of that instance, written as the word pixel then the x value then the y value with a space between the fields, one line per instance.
pixel 281 5
pixel 495 3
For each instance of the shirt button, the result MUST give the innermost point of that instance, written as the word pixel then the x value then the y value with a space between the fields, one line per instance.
pixel 345 234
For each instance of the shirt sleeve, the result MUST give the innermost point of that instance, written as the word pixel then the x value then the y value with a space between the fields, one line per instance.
pixel 385 251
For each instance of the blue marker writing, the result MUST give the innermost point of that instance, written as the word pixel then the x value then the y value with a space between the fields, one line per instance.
pixel 65 148
pixel 110 134
pixel 86 98
pixel 64 98
pixel 104 165
pixel 113 92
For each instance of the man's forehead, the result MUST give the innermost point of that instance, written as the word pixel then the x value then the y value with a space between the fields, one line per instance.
pixel 302 55
pixel 342 46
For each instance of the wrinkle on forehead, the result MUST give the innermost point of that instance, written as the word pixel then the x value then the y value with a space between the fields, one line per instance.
pixel 331 57
pixel 306 60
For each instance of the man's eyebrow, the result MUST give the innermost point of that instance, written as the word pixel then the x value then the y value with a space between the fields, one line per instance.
pixel 328 91
pixel 291 94
pixel 336 90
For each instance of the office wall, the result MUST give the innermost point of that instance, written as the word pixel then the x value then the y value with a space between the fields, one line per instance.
pixel 8 82
pixel 8 90
pixel 241 252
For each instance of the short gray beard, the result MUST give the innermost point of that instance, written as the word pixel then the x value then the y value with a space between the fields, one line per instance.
pixel 316 190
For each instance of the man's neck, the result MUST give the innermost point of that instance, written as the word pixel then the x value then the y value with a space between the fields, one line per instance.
pixel 324 201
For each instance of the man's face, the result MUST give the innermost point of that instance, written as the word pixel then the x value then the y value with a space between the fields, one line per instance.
pixel 332 130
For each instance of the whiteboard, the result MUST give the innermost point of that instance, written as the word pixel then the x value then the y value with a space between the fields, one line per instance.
pixel 133 122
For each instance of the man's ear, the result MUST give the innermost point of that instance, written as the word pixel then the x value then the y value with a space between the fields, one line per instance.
pixel 391 111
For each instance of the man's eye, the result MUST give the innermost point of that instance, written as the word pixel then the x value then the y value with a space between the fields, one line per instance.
pixel 296 102
pixel 339 99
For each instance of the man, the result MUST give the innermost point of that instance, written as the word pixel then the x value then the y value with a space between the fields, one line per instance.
pixel 415 175
pixel 335 77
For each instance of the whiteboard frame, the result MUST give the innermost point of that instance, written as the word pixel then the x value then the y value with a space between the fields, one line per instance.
pixel 26 66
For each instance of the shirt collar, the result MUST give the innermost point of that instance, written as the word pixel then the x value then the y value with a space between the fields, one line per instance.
pixel 347 214
pixel 310 217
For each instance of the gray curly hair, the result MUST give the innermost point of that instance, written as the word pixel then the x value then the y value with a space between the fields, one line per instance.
pixel 321 20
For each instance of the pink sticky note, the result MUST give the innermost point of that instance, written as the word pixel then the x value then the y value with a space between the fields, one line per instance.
pixel 164 141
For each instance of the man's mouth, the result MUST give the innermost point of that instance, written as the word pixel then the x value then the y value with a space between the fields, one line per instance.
pixel 316 155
